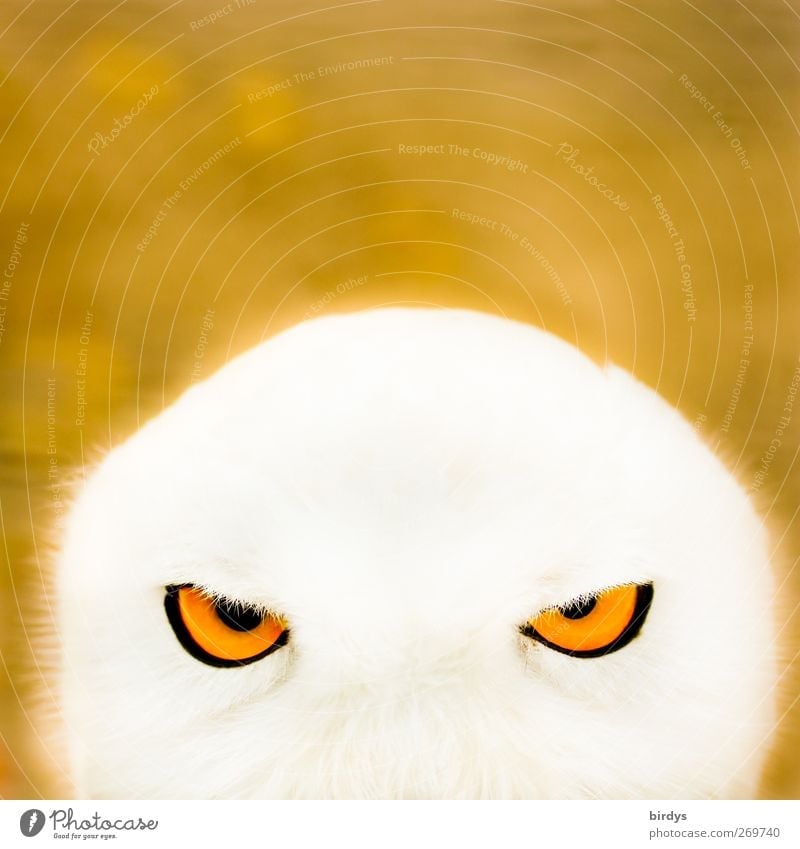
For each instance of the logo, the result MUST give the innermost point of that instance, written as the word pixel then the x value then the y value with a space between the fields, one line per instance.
pixel 65 824
pixel 31 822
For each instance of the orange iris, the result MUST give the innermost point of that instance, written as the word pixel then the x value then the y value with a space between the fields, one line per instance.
pixel 220 632
pixel 596 625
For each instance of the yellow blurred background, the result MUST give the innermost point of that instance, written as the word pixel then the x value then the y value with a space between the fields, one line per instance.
pixel 179 181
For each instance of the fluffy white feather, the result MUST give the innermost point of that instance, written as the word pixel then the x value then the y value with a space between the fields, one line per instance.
pixel 408 487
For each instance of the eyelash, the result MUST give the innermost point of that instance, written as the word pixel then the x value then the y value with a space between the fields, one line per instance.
pixel 615 616
pixel 225 633
pixel 219 631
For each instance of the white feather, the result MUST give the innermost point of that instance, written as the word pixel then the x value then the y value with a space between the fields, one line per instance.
pixel 408 487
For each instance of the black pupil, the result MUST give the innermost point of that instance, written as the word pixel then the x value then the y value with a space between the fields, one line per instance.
pixel 237 617
pixel 578 609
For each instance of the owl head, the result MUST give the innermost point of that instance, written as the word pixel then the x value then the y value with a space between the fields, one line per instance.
pixel 415 553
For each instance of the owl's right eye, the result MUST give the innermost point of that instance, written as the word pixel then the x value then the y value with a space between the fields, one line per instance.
pixel 220 632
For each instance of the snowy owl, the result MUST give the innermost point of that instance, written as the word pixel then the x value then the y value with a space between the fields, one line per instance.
pixel 415 553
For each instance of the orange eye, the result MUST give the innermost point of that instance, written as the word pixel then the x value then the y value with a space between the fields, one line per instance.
pixel 594 625
pixel 222 632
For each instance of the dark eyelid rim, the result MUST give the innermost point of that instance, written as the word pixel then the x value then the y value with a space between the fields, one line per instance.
pixel 644 598
pixel 173 611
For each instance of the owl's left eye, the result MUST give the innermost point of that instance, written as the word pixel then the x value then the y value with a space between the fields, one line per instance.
pixel 221 632
pixel 593 625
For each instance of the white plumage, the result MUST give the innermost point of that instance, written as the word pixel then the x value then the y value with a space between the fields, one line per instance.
pixel 407 488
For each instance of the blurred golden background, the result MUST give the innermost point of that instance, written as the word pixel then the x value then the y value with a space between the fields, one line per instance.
pixel 182 180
